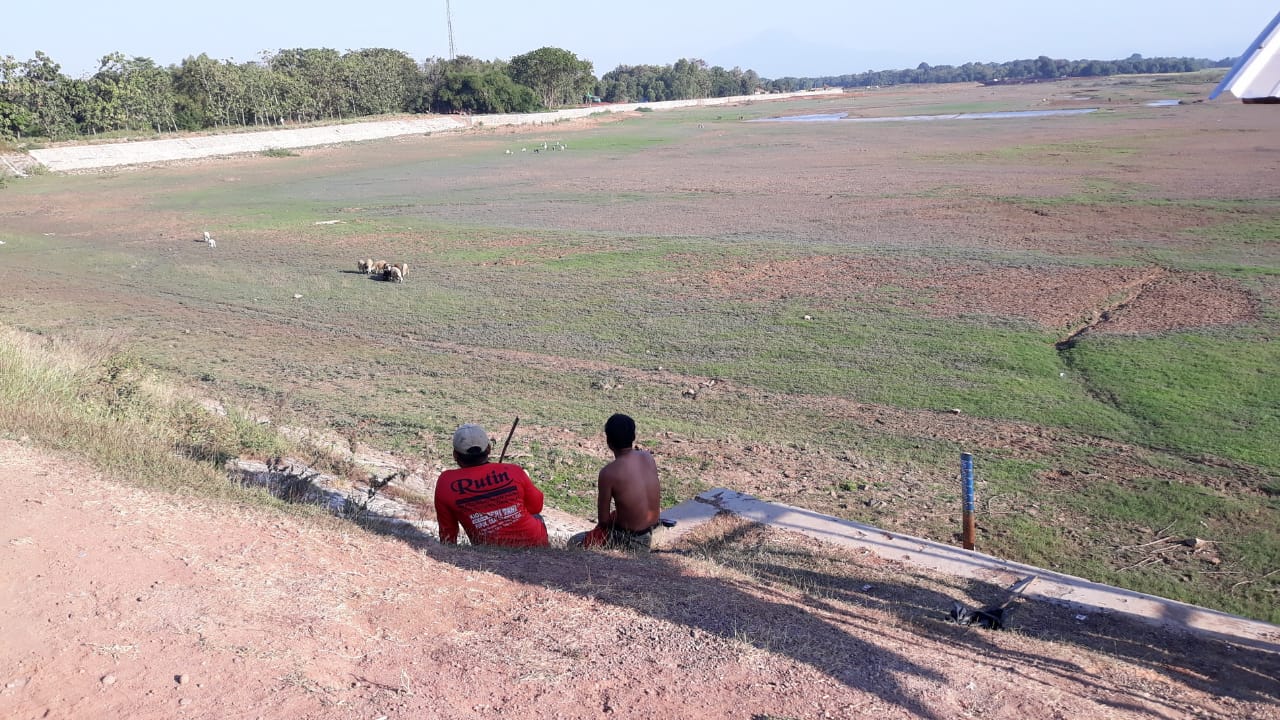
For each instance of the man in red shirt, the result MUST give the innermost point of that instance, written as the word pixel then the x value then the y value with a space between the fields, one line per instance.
pixel 496 503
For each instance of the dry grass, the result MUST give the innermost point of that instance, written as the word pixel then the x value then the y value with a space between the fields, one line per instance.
pixel 90 398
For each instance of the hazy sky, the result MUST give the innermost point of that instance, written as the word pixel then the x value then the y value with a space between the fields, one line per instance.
pixel 801 37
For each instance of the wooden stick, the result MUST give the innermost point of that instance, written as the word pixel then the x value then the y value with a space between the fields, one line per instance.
pixel 1139 547
pixel 503 455
pixel 1157 541
pixel 1141 563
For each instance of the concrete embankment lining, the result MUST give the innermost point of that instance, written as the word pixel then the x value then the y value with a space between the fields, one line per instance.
pixel 101 155
pixel 87 157
pixel 1066 590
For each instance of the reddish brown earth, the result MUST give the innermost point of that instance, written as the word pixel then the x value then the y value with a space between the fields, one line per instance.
pixel 1154 299
pixel 121 602
pixel 1177 301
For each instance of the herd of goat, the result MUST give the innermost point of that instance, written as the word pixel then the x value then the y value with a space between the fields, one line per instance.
pixel 381 269
pixel 392 272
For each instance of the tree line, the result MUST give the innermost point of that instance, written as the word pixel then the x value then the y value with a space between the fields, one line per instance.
pixel 317 84
pixel 1041 68
pixel 308 84
pixel 684 80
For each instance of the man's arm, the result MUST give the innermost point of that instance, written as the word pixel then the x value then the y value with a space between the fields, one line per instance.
pixel 447 522
pixel 533 498
pixel 604 499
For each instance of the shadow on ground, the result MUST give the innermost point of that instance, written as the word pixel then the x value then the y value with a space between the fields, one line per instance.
pixel 1211 666
pixel 827 599
pixel 825 602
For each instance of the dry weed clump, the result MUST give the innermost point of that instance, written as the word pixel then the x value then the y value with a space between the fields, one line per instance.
pixel 37 370
pixel 356 505
pixel 97 400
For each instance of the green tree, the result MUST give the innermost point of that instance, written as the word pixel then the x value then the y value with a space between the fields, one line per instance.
pixel 381 80
pixel 688 79
pixel 15 121
pixel 557 76
pixel 263 97
pixel 35 90
pixel 485 90
pixel 467 84
pixel 130 94
pixel 322 75
pixel 201 97
pixel 634 83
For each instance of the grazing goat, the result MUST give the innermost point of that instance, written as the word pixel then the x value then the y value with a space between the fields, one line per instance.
pixel 378 267
pixel 363 266
pixel 393 274
pixel 404 268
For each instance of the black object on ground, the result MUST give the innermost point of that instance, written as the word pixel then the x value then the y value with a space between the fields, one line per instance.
pixel 993 616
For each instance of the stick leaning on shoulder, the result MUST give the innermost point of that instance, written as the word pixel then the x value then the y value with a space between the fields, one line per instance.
pixel 503 455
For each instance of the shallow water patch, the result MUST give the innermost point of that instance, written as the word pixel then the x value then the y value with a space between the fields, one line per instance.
pixel 1000 115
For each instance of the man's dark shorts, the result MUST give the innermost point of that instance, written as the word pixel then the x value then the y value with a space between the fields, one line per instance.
pixel 615 538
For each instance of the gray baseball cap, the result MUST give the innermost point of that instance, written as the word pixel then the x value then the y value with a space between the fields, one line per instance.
pixel 470 439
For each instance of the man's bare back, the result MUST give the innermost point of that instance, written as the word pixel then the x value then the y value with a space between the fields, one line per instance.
pixel 630 484
pixel 630 494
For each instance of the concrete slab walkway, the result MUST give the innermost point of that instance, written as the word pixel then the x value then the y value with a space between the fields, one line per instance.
pixel 1053 587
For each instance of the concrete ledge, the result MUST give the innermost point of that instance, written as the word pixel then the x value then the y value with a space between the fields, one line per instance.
pixel 88 157
pixel 1049 586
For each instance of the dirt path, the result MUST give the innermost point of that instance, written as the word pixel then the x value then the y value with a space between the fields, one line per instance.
pixel 120 602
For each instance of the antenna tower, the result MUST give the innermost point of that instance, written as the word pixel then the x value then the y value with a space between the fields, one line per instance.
pixel 448 14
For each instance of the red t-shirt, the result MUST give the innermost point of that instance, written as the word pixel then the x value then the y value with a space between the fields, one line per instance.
pixel 495 503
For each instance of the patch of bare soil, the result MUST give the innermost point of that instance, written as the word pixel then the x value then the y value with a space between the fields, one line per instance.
pixel 1148 299
pixel 1184 300
pixel 121 602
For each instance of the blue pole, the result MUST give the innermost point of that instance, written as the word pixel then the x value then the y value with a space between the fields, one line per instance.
pixel 966 479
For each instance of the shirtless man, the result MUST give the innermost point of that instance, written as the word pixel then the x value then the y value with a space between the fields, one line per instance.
pixel 629 485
